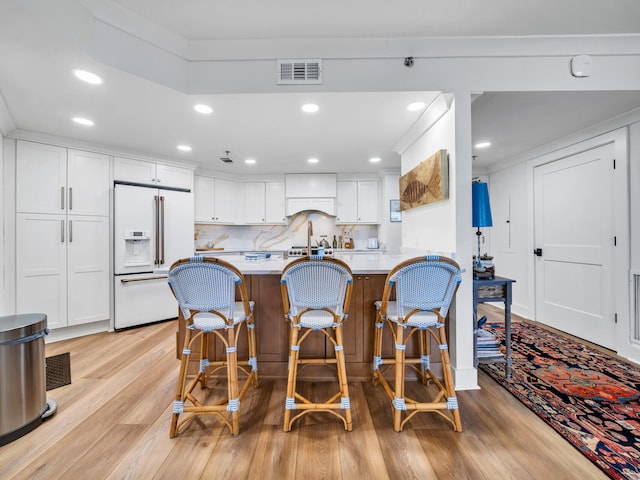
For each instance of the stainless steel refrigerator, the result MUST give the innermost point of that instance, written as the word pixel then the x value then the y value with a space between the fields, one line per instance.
pixel 153 228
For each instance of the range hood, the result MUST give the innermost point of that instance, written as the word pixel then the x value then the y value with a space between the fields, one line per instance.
pixel 311 192
pixel 297 205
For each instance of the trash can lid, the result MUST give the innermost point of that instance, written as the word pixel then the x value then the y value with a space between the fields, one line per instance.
pixel 13 327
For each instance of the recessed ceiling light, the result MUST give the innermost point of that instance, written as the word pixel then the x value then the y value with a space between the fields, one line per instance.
pixel 250 161
pixel 310 107
pixel 375 159
pixel 483 144
pixel 415 106
pixel 88 77
pixel 184 148
pixel 83 121
pixel 313 160
pixel 202 108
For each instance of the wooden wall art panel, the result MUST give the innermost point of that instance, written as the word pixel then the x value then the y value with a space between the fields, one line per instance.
pixel 428 182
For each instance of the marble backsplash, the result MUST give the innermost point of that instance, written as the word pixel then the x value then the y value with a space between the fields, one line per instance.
pixel 280 237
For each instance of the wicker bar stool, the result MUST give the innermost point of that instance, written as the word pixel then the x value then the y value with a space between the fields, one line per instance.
pixel 424 289
pixel 206 292
pixel 316 293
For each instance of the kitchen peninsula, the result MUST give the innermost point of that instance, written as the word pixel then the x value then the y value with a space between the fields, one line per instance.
pixel 263 285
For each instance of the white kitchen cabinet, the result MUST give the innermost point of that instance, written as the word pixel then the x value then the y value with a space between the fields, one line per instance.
pixel 264 202
pixel 254 202
pixel 358 201
pixel 62 234
pixel 56 180
pixel 62 267
pixel 150 173
pixel 215 200
pixel 275 203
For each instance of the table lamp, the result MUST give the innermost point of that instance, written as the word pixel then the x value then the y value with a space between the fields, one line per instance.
pixel 481 211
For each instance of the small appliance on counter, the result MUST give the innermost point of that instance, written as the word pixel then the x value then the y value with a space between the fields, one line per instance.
pixel 372 243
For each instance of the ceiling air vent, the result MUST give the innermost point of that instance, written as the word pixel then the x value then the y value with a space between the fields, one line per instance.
pixel 299 72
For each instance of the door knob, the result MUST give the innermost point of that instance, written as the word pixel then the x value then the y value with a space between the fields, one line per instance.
pixel 538 252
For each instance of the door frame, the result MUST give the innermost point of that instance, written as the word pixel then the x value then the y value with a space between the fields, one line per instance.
pixel 623 339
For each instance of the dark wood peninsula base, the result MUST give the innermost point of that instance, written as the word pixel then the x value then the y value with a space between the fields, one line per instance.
pixel 272 332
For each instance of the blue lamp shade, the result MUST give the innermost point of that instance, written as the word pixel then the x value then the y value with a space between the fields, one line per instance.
pixel 481 215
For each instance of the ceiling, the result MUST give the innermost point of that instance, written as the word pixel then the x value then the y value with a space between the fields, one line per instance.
pixel 42 41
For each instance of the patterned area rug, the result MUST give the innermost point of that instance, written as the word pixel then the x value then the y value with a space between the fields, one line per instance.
pixel 588 397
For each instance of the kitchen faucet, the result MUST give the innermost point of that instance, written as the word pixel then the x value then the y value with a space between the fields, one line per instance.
pixel 309 234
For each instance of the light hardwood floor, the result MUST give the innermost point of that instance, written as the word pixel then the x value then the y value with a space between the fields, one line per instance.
pixel 113 422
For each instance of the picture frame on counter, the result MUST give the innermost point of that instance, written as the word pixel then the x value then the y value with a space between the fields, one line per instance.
pixel 395 214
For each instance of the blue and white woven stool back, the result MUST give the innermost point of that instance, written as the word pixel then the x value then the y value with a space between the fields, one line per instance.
pixel 316 285
pixel 203 286
pixel 426 285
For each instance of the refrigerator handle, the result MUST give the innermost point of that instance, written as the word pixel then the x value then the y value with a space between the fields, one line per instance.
pixel 156 199
pixel 162 230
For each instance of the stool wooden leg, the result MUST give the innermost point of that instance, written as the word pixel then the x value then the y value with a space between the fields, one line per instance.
pixel 204 357
pixel 232 381
pixel 377 347
pixel 424 353
pixel 398 400
pixel 181 384
pixel 448 380
pixel 342 376
pixel 292 375
pixel 253 352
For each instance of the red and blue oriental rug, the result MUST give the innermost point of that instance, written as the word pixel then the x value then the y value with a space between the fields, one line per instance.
pixel 588 397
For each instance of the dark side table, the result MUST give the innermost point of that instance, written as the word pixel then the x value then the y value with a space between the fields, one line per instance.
pixel 498 289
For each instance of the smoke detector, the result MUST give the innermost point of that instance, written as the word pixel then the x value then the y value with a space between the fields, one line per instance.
pixel 226 158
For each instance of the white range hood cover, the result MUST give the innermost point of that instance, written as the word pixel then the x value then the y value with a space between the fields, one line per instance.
pixel 325 205
pixel 311 192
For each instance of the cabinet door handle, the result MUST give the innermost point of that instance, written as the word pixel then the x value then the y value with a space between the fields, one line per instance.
pixel 61 231
pixel 61 198
pixel 70 231
pixel 70 198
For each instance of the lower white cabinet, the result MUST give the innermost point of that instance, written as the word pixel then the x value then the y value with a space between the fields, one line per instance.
pixel 358 201
pixel 62 267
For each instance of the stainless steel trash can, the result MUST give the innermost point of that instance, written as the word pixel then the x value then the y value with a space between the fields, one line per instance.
pixel 23 398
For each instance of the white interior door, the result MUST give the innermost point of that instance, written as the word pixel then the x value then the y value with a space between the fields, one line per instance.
pixel 574 228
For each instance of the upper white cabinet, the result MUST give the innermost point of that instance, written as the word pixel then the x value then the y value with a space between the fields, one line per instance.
pixel 215 200
pixel 358 202
pixel 275 202
pixel 264 202
pixel 305 185
pixel 254 206
pixel 56 180
pixel 150 173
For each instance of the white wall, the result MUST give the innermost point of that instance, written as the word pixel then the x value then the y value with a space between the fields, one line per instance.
pixel 390 233
pixel 509 232
pixel 431 227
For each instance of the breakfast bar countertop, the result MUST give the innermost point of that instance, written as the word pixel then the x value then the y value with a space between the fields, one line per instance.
pixel 359 263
